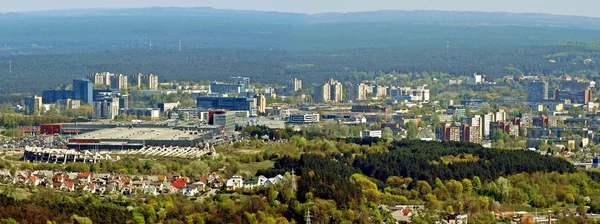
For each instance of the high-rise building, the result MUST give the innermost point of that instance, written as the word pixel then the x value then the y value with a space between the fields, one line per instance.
pixel 322 93
pixel 119 81
pixel 537 91
pixel 500 115
pixel 140 80
pixel 34 105
pixel 487 120
pixel 455 134
pixel 83 90
pixel 330 91
pixel 362 91
pixel 106 109
pixel 261 103
pixel 295 84
pixel 379 91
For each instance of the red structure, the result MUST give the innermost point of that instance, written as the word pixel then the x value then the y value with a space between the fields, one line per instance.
pixel 50 129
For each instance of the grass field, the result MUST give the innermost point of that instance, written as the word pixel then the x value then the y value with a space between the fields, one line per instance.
pixel 253 167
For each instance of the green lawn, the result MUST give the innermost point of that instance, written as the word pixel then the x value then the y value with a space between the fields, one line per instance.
pixel 253 167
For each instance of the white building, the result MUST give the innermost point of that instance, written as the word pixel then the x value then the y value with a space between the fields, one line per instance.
pixel 370 133
pixel 305 118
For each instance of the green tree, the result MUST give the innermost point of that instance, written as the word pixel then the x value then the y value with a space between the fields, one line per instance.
pixel 196 169
pixel 412 131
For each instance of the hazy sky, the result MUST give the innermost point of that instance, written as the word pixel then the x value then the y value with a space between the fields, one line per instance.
pixel 562 7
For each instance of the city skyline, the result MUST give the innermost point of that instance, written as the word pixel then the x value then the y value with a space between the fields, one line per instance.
pixel 313 6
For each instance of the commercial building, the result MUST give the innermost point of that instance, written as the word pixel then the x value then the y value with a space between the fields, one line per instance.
pixel 216 87
pixel 419 94
pixel 370 133
pixel 225 120
pixel 304 118
pixel 168 106
pixel 152 113
pixel 53 95
pixel 537 91
pixel 228 103
pixel 33 105
pixel 370 109
pixel 330 91
pixel 83 90
pixel 240 81
pixel 575 96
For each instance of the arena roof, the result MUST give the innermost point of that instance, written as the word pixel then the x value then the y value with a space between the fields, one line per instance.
pixel 139 133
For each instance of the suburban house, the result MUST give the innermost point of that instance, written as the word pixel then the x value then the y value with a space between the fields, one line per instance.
pixel 236 182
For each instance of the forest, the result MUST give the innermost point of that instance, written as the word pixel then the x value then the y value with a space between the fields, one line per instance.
pixel 272 48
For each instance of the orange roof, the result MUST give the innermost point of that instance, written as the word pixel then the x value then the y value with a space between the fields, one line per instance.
pixel 84 175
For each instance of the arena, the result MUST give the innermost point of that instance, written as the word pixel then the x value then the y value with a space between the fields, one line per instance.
pixel 126 138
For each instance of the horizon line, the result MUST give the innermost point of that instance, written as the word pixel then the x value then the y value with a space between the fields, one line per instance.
pixel 291 12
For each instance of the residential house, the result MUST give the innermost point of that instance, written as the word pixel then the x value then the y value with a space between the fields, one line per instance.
pixel 33 181
pixel 234 183
pixel 150 190
pixel 274 180
pixel 84 177
pixel 189 191
pixel 179 182
pixel 212 180
pixel 89 187
pixel 67 185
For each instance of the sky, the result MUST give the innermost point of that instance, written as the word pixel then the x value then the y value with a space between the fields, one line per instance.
pixel 559 7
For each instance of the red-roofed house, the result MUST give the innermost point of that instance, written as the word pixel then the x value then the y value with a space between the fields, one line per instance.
pixel 84 177
pixel 179 183
pixel 33 180
pixel 68 185
pixel 90 187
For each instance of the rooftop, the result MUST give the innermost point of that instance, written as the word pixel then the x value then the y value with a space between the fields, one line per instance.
pixel 139 133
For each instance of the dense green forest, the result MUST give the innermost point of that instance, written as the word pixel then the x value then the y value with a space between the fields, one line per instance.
pixel 54 47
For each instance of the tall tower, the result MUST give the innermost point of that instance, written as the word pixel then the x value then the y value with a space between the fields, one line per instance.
pixel 308 216
pixel 293 181
pixel 9 66
pixel 180 45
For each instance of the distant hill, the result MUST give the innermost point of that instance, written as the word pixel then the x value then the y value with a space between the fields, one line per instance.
pixel 448 17
pixel 52 47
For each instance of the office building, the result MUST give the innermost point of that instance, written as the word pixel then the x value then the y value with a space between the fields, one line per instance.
pixel 261 103
pixel 240 81
pixel 330 91
pixel 228 103
pixel 537 91
pixel 225 120
pixel 33 105
pixel 575 96
pixel 304 118
pixel 216 87
pixel 54 95
pixel 295 85
pixel 83 90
